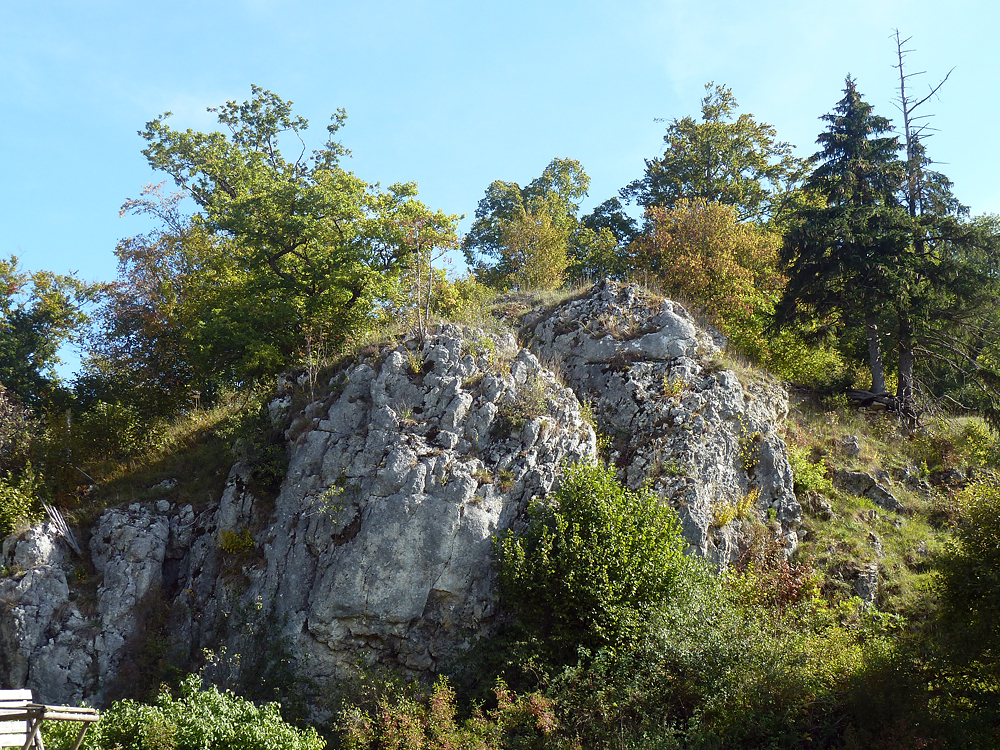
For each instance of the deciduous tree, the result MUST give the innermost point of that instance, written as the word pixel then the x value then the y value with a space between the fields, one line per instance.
pixel 296 222
pixel 702 253
pixel 553 200
pixel 722 158
pixel 39 312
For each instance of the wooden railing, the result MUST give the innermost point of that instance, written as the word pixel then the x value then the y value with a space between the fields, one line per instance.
pixel 21 720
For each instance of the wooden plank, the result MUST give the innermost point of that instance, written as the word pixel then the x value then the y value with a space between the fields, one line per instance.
pixel 33 735
pixel 13 733
pixel 23 694
pixel 75 716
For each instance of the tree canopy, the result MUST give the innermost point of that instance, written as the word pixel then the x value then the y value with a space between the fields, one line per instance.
pixel 298 224
pixel 545 210
pixel 39 312
pixel 281 247
pixel 843 256
pixel 735 161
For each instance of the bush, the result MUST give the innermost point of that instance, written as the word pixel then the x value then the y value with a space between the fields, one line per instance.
pixel 110 430
pixel 593 563
pixel 17 432
pixel 18 505
pixel 197 720
pixel 427 721
pixel 970 571
pixel 729 661
pixel 462 299
pixel 808 476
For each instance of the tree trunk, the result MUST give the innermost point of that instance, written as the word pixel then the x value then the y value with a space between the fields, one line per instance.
pixel 904 388
pixel 875 354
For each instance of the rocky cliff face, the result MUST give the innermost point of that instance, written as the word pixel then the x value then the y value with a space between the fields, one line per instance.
pixel 377 547
pixel 704 441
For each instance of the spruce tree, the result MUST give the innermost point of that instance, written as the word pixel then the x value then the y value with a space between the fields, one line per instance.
pixel 843 256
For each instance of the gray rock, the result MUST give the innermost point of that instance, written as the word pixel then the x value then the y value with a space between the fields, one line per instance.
pixel 277 409
pixel 45 643
pixel 866 585
pixel 380 543
pixel 876 544
pixel 128 549
pixel 865 485
pixel 699 437
pixel 851 446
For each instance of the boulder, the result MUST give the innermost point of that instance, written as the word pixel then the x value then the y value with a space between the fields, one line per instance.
pixel 865 485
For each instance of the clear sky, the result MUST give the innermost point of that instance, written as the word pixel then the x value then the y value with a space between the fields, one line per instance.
pixel 453 94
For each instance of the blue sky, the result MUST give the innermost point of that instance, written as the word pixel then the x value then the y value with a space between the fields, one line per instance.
pixel 451 94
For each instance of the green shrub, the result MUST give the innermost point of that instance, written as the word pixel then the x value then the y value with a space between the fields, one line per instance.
pixel 594 561
pixel 427 721
pixel 463 299
pixel 261 445
pixel 18 431
pixel 808 476
pixel 787 354
pixel 110 430
pixel 976 444
pixel 18 504
pixel 970 570
pixel 200 719
pixel 749 659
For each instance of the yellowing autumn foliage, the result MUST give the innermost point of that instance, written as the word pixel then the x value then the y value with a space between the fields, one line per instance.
pixel 698 250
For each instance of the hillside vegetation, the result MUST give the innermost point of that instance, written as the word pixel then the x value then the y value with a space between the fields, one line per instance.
pixel 855 276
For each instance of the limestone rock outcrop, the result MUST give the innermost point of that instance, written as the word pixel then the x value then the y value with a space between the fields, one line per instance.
pixel 678 421
pixel 377 547
pixel 865 485
pixel 38 623
pixel 380 540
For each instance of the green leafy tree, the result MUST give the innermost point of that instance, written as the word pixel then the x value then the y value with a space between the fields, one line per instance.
pixel 594 561
pixel 281 253
pixel 297 223
pixel 735 161
pixel 17 432
pixel 39 312
pixel 600 244
pixel 535 248
pixel 551 200
pixel 187 312
pixel 398 224
pixel 701 252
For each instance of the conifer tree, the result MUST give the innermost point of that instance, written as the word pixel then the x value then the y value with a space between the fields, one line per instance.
pixel 843 257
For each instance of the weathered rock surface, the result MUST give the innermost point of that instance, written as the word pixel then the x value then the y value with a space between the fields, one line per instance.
pixel 700 438
pixel 866 584
pixel 37 618
pixel 380 541
pixel 56 644
pixel 378 546
pixel 863 484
